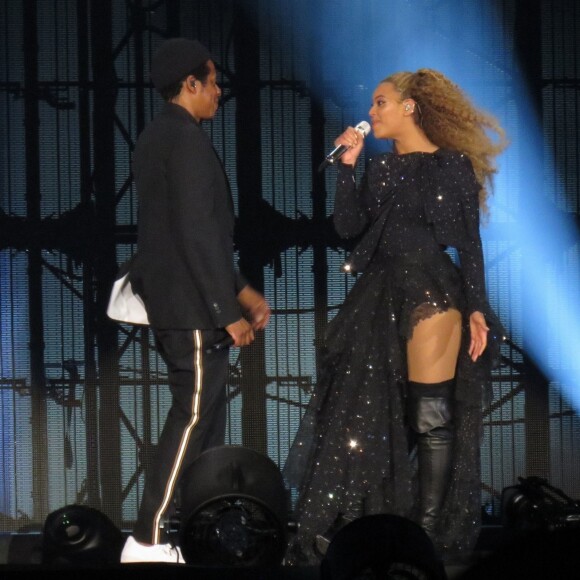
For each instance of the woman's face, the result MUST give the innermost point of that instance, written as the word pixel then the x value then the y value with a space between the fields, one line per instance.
pixel 387 112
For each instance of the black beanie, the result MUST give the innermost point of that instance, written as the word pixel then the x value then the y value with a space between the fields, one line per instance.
pixel 174 59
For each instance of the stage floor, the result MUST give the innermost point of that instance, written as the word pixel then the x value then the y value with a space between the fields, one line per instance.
pixel 21 557
pixel 498 556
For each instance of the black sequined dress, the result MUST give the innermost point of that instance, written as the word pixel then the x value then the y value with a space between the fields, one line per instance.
pixel 351 453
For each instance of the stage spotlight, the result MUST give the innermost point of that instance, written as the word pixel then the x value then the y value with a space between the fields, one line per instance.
pixel 535 505
pixel 234 509
pixel 79 535
pixel 381 546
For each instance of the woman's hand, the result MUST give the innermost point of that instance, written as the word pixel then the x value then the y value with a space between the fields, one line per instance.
pixel 479 330
pixel 352 139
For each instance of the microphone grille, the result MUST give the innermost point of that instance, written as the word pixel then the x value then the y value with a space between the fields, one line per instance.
pixel 364 128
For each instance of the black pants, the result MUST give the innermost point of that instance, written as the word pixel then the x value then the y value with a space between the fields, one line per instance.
pixel 196 420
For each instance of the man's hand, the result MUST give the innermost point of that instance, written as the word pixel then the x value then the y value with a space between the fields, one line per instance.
pixel 241 332
pixel 255 306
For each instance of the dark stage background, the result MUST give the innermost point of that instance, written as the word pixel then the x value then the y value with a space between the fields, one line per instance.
pixel 82 399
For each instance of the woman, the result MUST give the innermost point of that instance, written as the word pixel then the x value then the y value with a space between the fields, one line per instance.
pixel 394 423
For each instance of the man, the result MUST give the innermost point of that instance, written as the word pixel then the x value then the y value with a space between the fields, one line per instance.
pixel 184 272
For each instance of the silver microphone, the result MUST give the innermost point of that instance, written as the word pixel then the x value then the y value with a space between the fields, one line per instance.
pixel 363 128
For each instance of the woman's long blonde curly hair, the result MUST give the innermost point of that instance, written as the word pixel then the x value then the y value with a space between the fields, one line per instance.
pixel 451 121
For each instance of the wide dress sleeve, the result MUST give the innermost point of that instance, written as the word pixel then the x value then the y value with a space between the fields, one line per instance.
pixel 350 217
pixel 453 209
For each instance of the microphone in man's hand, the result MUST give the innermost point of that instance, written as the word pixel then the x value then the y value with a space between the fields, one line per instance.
pixel 220 344
pixel 363 128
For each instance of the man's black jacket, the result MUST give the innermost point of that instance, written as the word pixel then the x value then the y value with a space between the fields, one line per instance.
pixel 184 268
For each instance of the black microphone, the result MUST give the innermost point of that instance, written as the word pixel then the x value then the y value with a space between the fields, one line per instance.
pixel 363 128
pixel 220 345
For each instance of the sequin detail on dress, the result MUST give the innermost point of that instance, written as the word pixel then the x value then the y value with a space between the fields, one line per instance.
pixel 351 453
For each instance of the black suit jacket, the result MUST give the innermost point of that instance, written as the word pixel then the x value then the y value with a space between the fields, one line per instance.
pixel 184 268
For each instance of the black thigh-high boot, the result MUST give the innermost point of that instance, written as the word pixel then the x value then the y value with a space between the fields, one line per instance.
pixel 430 415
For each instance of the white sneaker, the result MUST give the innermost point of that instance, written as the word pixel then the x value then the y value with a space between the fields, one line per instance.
pixel 133 551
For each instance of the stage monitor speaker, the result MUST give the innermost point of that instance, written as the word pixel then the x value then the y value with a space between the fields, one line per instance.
pixel 381 546
pixel 234 509
pixel 77 535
